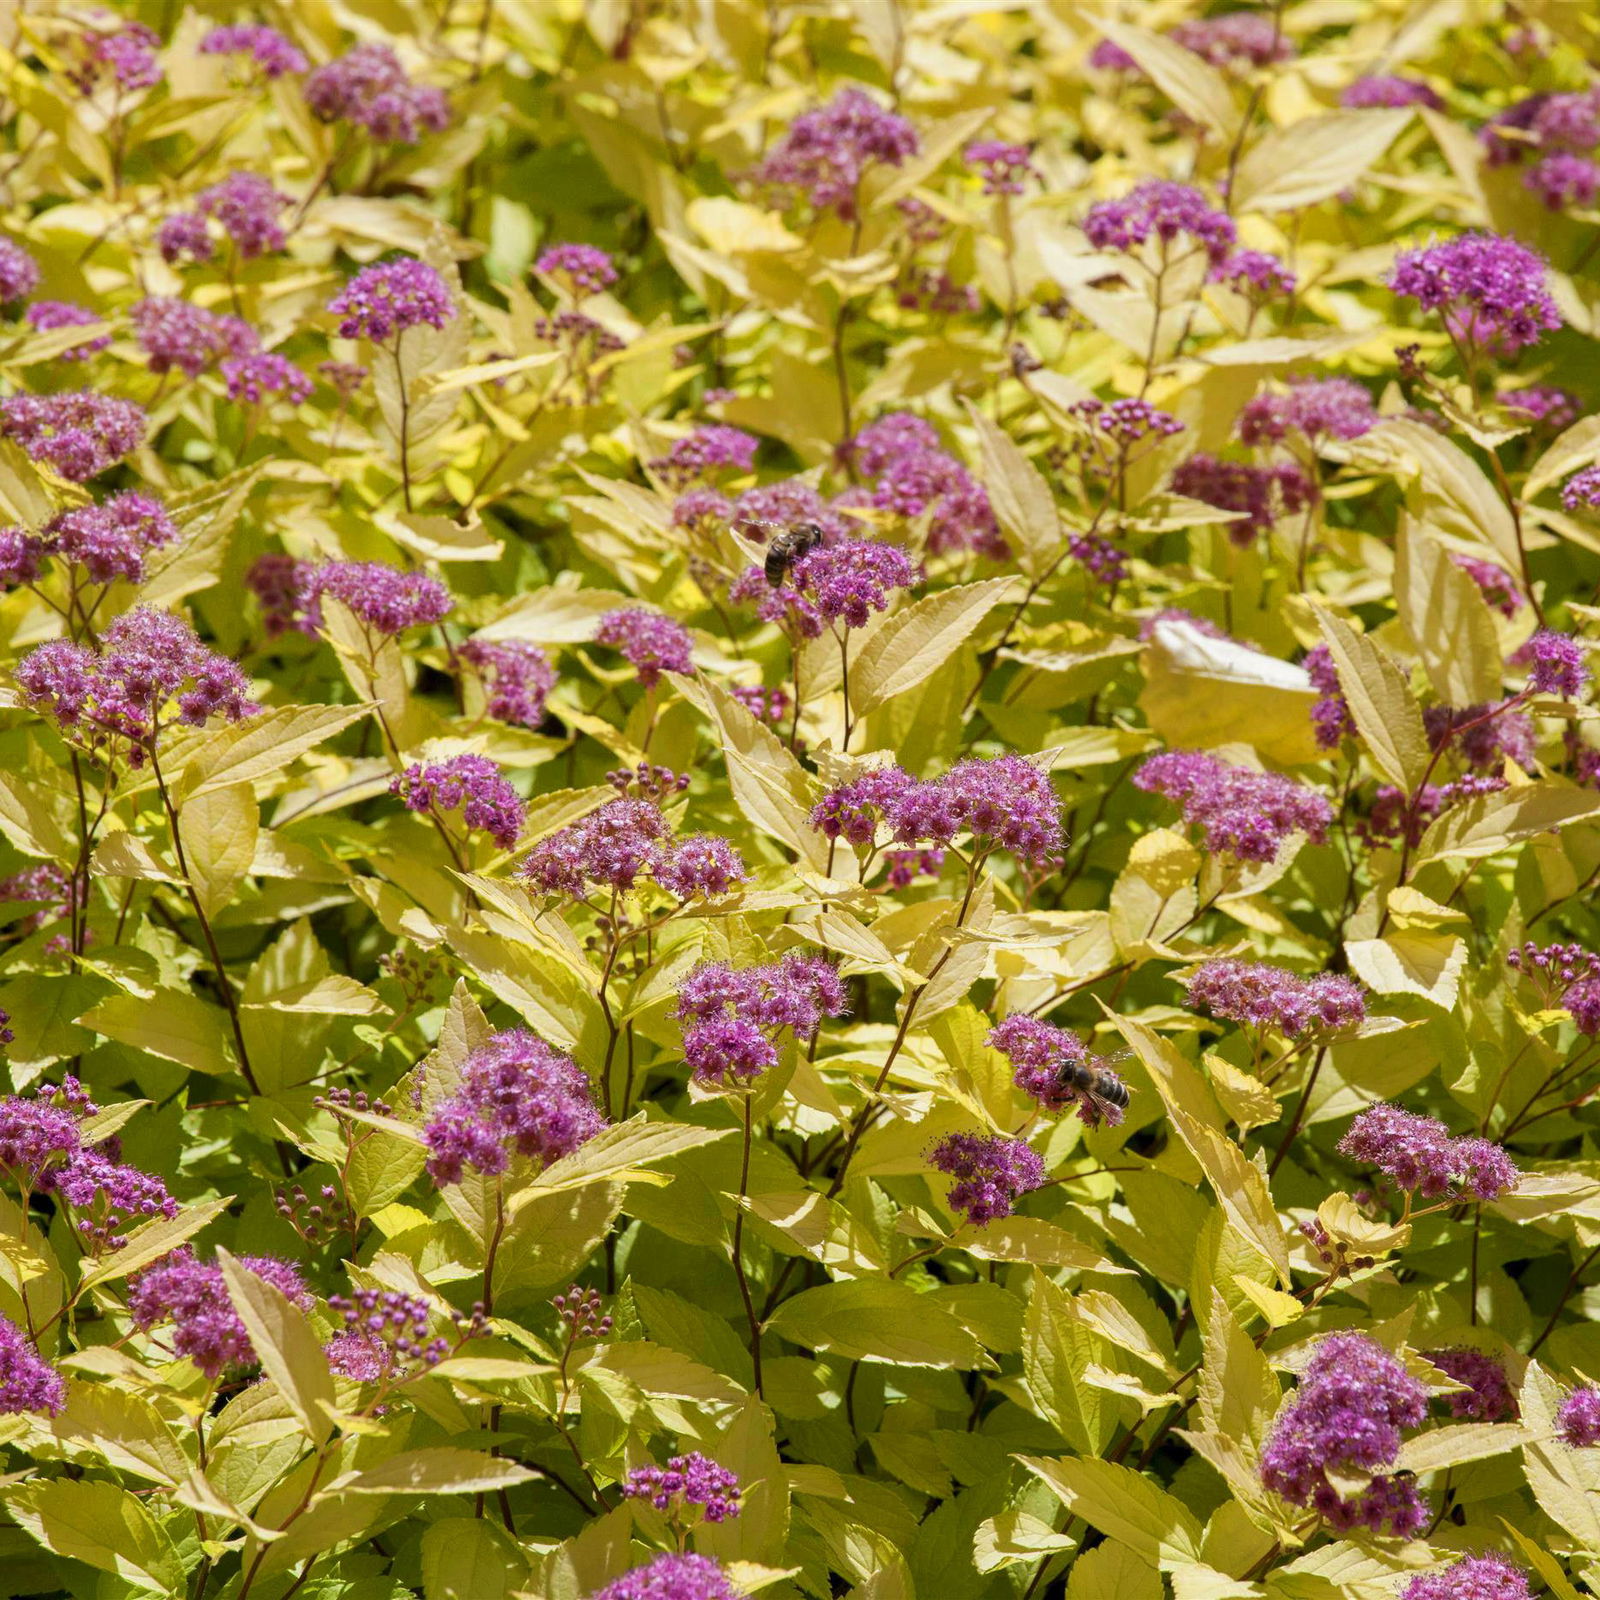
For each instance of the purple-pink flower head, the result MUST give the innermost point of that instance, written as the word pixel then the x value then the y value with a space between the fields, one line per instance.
pixel 369 87
pixel 698 866
pixel 711 449
pixel 147 661
pixel 36 1137
pixel 184 234
pixel 1127 422
pixel 1418 1153
pixel 516 676
pixel 1578 1418
pixel 385 299
pixel 131 54
pixel 272 53
pixel 650 642
pixel 1487 1396
pixel 611 846
pixel 824 153
pixel 1556 664
pixel 1483 736
pixel 1485 1577
pixel 843 582
pixel 1164 211
pixel 1494 583
pixel 517 1096
pixel 1564 180
pixel 27 1381
pixel 992 1173
pixel 1258 995
pixel 687 1481
pixel 583 268
pixel 914 477
pixel 193 1296
pixel 1491 289
pixel 1052 1066
pixel 46 316
pixel 1582 1001
pixel 1582 489
pixel 106 1197
pixel 1549 406
pixel 111 540
pixel 1388 92
pixel 255 378
pixel 387 1334
pixel 386 599
pixel 1344 1422
pixel 19 272
pixel 1260 495
pixel 469 784
pixel 77 433
pixel 1238 811
pixel 1235 39
pixel 1004 168
pixel 249 210
pixel 671 1577
pixel 1109 57
pixel 855 810
pixel 174 333
pixel 1254 272
pixel 732 1016
pixel 1315 408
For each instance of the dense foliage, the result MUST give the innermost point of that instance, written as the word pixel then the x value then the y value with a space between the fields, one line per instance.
pixel 800 799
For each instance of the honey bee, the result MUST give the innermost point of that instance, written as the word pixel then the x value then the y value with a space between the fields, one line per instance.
pixel 1104 1093
pixel 790 541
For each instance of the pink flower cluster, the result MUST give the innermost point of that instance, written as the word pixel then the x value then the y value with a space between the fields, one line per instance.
pixel 108 541
pixel 913 476
pixel 1560 132
pixel 516 1096
pixel 732 1016
pixel 1260 495
pixel 686 1480
pixel 1491 290
pixel 275 55
pixel 672 1576
pixel 387 298
pixel 1344 1422
pixel 27 1381
pixel 470 784
pixel 369 87
pixel 1162 210
pixel 842 582
pixel 175 334
pixel 78 433
pixel 386 599
pixel 1053 1067
pixel 992 1173
pixel 1005 802
pixel 1238 811
pixel 193 1296
pixel 147 659
pixel 824 154
pixel 1487 1396
pixel 1256 994
pixel 48 315
pixel 1419 1154
pixel 516 676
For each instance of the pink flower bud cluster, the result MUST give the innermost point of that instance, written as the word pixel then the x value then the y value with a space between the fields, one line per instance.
pixel 386 599
pixel 1578 1418
pixel 386 1335
pixel 1485 1577
pixel 1236 39
pixel 581 266
pixel 843 582
pixel 1343 1423
pixel 732 1016
pixel 384 300
pixel 1559 131
pixel 517 1096
pixel 992 1173
pixel 672 1576
pixel 579 1309
pixel 270 51
pixel 1315 408
pixel 175 334
pixel 652 644
pixel 1487 1396
pixel 1164 211
pixel 108 541
pixel 1388 92
pixel 48 315
pixel 706 452
pixel 687 1481
pixel 1419 1155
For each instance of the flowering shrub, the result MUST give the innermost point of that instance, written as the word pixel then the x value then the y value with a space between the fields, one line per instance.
pixel 800 801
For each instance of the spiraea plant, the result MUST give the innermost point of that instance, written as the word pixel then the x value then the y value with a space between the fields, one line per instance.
pixel 799 800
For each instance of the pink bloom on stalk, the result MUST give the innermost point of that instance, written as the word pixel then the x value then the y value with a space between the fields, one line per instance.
pixel 825 153
pixel 992 1173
